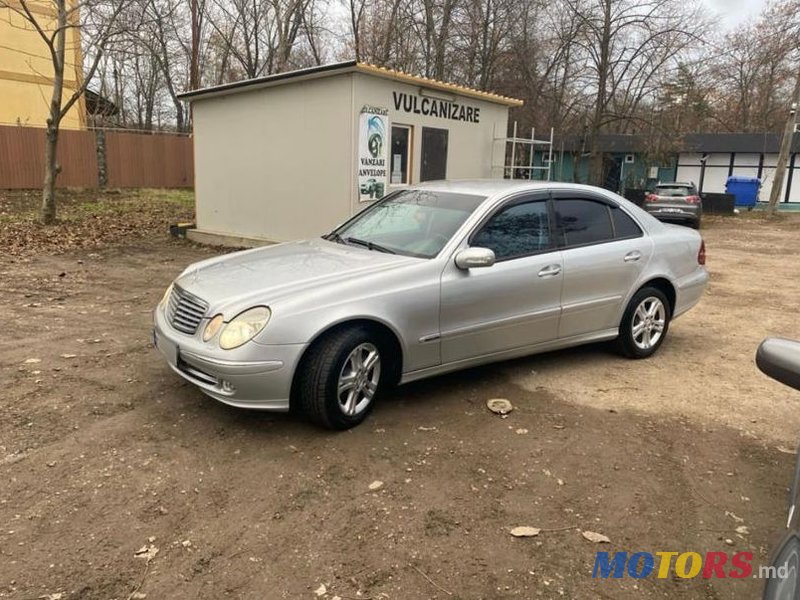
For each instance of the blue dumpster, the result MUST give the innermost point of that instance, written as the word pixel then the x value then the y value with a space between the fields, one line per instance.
pixel 744 189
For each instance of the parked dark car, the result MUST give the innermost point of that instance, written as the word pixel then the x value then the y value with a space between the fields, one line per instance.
pixel 780 359
pixel 675 202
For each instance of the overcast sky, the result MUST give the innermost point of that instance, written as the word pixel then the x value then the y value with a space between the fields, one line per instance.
pixel 736 12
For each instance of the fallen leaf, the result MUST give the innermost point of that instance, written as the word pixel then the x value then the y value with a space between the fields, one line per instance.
pixel 734 517
pixel 147 552
pixel 525 531
pixel 743 530
pixel 321 590
pixel 33 361
pixel 597 538
pixel 68 355
pixel 375 485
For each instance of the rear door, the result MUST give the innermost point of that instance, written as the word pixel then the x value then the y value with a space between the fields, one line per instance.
pixel 605 252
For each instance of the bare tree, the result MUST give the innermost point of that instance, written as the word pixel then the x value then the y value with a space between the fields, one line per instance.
pixel 629 44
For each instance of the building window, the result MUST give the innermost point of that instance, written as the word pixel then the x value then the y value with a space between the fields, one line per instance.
pixel 401 151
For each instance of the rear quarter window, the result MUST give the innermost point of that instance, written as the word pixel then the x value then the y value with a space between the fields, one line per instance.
pixel 624 226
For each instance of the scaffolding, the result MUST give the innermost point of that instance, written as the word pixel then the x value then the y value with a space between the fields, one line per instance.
pixel 529 147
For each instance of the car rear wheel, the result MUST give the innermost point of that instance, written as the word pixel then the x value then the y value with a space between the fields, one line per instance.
pixel 340 378
pixel 644 324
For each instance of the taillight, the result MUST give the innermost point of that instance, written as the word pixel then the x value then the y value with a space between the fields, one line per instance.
pixel 701 254
pixel 693 199
pixel 651 198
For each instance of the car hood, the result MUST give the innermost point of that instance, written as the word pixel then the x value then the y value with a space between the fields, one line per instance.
pixel 264 275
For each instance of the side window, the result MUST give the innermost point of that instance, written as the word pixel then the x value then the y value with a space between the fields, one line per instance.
pixel 584 222
pixel 518 230
pixel 624 226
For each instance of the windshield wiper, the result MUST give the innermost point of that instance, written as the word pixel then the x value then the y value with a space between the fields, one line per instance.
pixel 366 244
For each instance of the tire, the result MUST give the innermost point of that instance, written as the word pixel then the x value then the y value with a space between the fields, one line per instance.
pixel 333 360
pixel 655 314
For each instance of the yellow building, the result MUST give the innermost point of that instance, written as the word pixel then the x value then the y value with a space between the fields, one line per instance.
pixel 26 70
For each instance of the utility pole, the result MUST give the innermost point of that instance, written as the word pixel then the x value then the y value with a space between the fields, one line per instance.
pixel 783 156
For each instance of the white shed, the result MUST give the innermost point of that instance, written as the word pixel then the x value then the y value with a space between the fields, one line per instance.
pixel 291 155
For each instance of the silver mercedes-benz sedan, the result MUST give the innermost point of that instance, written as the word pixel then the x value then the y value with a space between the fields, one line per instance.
pixel 432 278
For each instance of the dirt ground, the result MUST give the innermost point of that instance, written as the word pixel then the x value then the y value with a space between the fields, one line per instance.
pixel 104 451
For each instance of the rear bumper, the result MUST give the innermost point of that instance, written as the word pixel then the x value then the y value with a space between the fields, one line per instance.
pixel 259 377
pixel 689 290
pixel 681 214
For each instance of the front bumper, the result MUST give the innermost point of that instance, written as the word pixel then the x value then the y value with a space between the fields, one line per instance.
pixel 254 376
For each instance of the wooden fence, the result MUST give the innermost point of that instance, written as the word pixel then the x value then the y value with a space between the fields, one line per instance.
pixel 97 158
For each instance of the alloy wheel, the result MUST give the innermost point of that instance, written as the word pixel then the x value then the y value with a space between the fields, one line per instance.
pixel 648 323
pixel 359 379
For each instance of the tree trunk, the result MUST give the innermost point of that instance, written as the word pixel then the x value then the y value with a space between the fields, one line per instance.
pixel 355 23
pixel 194 58
pixel 596 156
pixel 51 168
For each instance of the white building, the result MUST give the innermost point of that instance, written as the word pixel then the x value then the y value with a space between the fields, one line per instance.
pixel 709 159
pixel 292 155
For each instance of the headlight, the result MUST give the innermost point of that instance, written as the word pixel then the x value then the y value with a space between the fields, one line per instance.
pixel 244 327
pixel 212 327
pixel 165 298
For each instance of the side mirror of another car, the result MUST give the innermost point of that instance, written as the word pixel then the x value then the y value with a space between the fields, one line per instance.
pixel 780 359
pixel 475 258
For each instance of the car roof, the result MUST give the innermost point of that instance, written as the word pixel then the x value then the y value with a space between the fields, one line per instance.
pixel 492 187
pixel 677 184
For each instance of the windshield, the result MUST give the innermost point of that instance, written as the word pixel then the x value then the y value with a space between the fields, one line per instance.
pixel 410 222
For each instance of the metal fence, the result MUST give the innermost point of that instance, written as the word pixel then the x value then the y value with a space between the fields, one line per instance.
pixel 97 158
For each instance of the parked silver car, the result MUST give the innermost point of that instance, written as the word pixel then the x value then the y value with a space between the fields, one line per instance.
pixel 433 278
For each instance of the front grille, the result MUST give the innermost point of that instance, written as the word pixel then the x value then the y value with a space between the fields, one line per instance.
pixel 185 310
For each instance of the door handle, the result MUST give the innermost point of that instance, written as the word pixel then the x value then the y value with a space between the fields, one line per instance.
pixel 633 256
pixel 550 271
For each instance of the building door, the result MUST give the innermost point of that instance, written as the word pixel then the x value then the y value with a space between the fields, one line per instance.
pixel 434 154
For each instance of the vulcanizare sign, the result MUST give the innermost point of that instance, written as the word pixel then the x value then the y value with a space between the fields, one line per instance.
pixel 436 107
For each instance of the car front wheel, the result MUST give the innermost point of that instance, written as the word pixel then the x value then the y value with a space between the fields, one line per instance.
pixel 340 378
pixel 644 324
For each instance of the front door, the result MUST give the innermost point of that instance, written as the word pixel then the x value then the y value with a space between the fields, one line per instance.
pixel 434 154
pixel 514 303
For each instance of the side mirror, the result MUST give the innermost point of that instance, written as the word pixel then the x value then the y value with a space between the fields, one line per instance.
pixel 780 359
pixel 475 258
